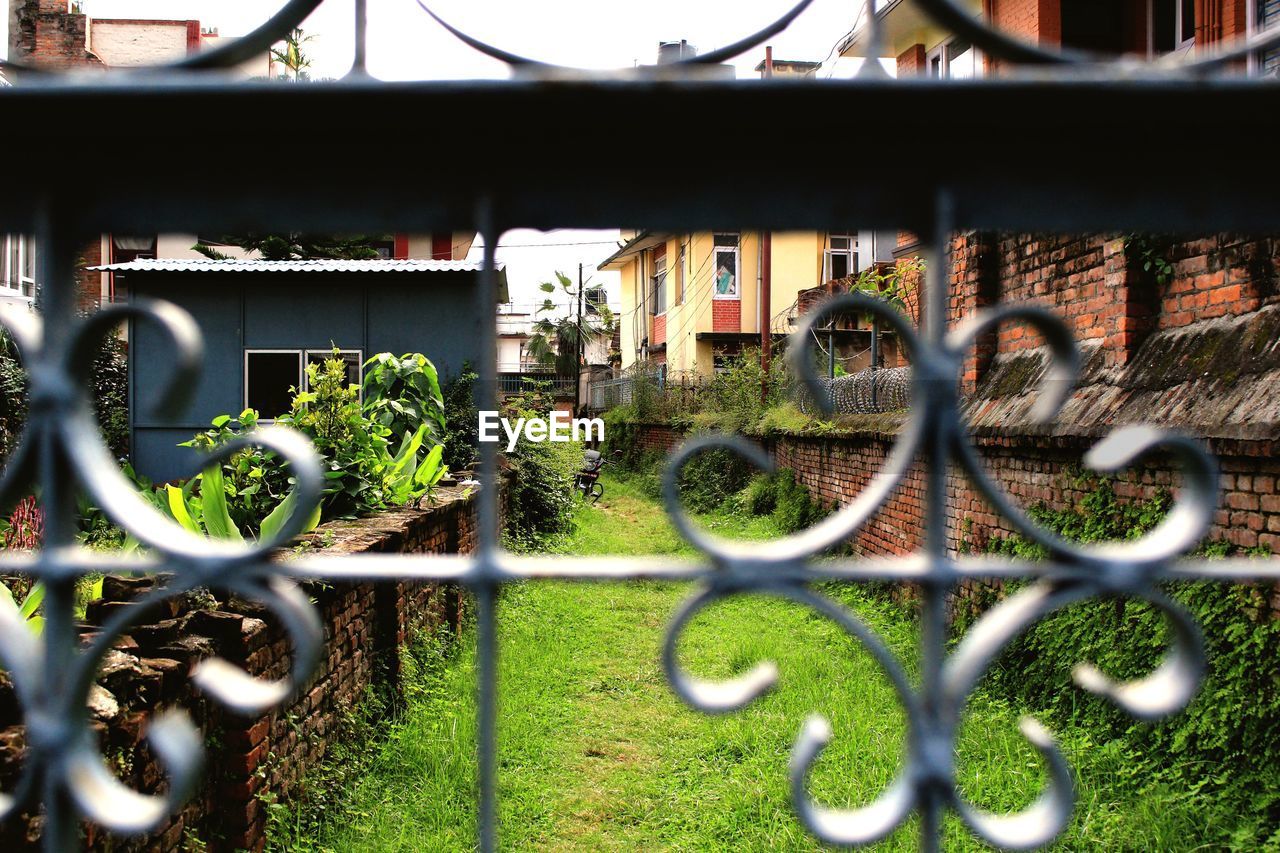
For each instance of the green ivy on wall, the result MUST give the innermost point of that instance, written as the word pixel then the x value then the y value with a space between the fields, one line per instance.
pixel 1225 747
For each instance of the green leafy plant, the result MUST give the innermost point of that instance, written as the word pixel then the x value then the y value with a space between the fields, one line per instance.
pixel 28 610
pixel 461 429
pixel 540 495
pixel 1150 253
pixel 402 394
pixel 556 341
pixel 253 479
pixel 1223 747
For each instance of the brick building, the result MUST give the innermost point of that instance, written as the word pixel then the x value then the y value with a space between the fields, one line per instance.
pixel 55 34
pixel 1138 28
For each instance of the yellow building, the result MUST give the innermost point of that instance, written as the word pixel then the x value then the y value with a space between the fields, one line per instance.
pixel 691 301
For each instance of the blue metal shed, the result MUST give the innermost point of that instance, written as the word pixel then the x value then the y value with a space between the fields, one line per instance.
pixel 262 321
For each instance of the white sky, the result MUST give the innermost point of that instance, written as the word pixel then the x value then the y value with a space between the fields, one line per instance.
pixel 405 44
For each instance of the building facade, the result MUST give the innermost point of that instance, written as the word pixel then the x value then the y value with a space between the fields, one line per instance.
pixel 691 302
pixel 1138 28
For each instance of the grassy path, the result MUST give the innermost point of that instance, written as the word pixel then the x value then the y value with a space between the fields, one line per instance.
pixel 596 752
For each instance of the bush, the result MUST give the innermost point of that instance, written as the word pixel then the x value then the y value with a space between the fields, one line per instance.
pixel 1226 745
pixel 780 496
pixel 760 497
pixel 541 497
pixel 711 478
pixel 109 390
pixel 364 471
pixel 461 420
pixel 110 378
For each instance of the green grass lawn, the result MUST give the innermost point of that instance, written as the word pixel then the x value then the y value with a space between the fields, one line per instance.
pixel 597 753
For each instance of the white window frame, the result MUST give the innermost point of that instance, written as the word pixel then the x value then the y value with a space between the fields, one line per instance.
pixel 359 353
pixel 27 283
pixel 1187 43
pixel 716 248
pixel 1252 24
pixel 680 262
pixel 941 55
pixel 245 375
pixel 658 284
pixel 1180 45
pixel 14 283
pixel 851 252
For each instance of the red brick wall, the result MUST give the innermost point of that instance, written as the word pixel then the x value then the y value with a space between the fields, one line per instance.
pixel 365 624
pixel 89 284
pixel 911 61
pixel 52 37
pixel 1032 20
pixel 659 330
pixel 1225 274
pixel 726 315
pixel 1097 284
pixel 1030 469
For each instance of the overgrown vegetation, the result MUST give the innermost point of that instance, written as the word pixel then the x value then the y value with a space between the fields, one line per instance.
pixel 322 799
pixel 377 454
pixel 461 430
pixel 597 753
pixel 108 386
pixel 540 494
pixel 1223 751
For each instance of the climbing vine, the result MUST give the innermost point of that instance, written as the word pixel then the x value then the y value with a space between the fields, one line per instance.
pixel 1225 747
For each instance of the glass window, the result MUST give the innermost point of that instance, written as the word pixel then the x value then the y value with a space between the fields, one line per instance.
pixel 352 357
pixel 268 377
pixel 1186 21
pixel 659 302
pixel 13 262
pixel 1269 19
pixel 680 262
pixel 725 259
pixel 841 257
pixel 28 266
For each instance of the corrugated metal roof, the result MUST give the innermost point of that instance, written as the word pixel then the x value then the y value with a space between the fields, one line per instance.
pixel 239 265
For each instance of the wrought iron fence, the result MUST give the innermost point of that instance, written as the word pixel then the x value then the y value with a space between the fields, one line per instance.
pixel 515 383
pixel 916 187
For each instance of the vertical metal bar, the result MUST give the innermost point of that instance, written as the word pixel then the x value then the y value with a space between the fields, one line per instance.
pixel 486 589
pixel 933 617
pixel 359 62
pixel 56 276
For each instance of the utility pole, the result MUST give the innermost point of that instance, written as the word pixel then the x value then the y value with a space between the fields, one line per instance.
pixel 579 347
pixel 766 278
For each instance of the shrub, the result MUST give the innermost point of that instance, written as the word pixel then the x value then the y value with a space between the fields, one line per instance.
pixel 780 496
pixel 461 420
pixel 795 509
pixel 541 497
pixel 760 497
pixel 1224 746
pixel 712 477
pixel 109 387
pixel 362 473
pixel 403 394
pixel 110 379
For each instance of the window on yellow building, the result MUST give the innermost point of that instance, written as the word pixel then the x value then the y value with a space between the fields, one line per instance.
pixel 726 266
pixel 841 257
pixel 658 281
pixel 680 262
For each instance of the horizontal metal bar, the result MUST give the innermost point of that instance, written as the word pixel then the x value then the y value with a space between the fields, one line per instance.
pixel 1070 154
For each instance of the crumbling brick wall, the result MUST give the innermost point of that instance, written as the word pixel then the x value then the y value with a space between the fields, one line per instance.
pixel 250 760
